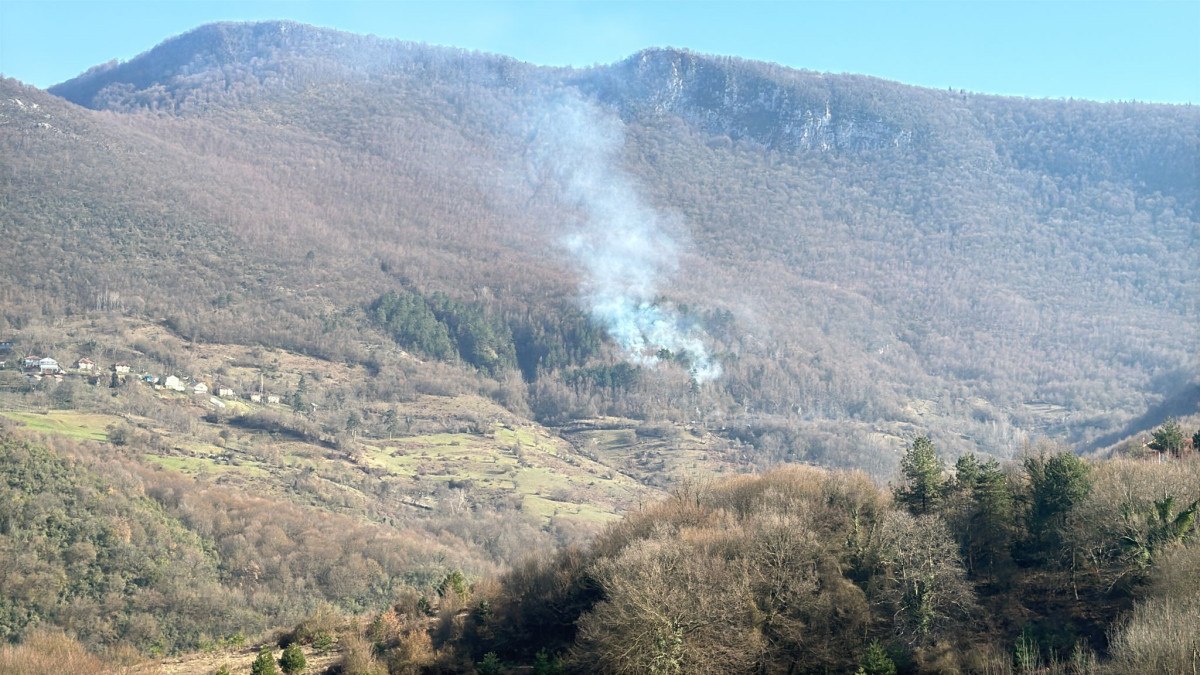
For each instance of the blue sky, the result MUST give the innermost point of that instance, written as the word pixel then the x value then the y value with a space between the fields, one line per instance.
pixel 1143 50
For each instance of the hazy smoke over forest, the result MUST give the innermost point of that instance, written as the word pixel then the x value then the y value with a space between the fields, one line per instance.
pixel 622 246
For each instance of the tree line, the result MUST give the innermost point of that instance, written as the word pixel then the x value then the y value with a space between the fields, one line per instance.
pixel 1048 563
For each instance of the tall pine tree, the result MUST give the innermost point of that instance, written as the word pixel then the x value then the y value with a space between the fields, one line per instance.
pixel 924 477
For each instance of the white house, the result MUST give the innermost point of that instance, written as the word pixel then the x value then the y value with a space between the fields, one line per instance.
pixel 48 365
pixel 200 388
pixel 225 392
pixel 32 360
pixel 85 364
pixel 273 399
pixel 256 398
pixel 121 368
pixel 173 383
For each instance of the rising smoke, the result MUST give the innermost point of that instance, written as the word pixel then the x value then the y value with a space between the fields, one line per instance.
pixel 622 246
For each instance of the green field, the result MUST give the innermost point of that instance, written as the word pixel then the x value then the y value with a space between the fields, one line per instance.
pixel 551 479
pixel 206 465
pixel 79 426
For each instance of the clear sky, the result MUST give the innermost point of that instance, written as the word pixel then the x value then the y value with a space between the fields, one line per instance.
pixel 1144 50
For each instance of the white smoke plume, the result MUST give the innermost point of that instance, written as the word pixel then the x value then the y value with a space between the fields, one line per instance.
pixel 622 245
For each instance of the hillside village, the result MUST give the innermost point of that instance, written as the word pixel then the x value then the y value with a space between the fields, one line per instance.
pixel 37 368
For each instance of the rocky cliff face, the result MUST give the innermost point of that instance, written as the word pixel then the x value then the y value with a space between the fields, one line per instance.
pixel 777 107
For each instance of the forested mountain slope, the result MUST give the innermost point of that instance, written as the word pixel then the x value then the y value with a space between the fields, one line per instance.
pixel 863 260
pixel 451 309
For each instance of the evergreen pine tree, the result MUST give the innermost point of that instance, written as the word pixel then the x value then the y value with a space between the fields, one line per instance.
pixel 1168 437
pixel 924 477
pixel 264 664
pixel 293 660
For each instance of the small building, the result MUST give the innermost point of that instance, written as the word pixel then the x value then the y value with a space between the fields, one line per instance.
pixel 84 363
pixel 173 383
pixel 48 365
pixel 225 392
pixel 273 399
pixel 32 360
pixel 199 388
pixel 256 398
pixel 121 368
pixel 6 346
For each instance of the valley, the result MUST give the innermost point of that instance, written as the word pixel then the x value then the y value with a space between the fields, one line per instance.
pixel 433 361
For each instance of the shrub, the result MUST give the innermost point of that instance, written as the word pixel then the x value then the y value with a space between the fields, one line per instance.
pixel 47 652
pixel 490 665
pixel 293 660
pixel 264 664
pixel 875 661
pixel 1160 637
pixel 323 642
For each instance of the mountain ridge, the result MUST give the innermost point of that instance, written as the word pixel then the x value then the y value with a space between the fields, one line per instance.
pixel 319 54
pixel 891 249
pixel 782 108
pixel 233 40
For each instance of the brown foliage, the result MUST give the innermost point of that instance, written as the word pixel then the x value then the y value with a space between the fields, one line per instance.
pixel 667 609
pixel 49 651
pixel 358 656
pixel 750 573
pixel 1161 636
